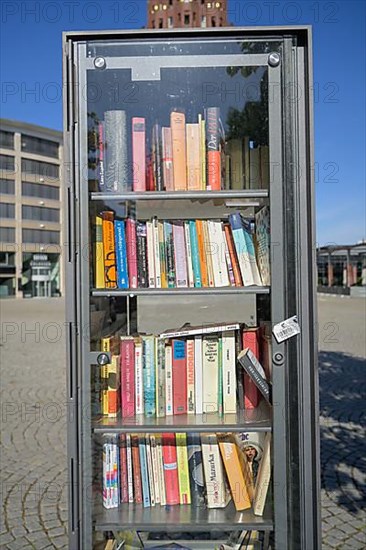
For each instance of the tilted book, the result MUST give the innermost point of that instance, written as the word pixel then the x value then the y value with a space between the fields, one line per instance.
pixel 262 233
pixel 254 369
pixel 207 328
pixel 233 255
pixel 234 469
pixel 241 247
pixel 263 478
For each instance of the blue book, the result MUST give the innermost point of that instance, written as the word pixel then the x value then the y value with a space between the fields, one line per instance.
pixel 144 473
pixel 195 254
pixel 149 375
pixel 121 254
pixel 238 231
pixel 249 239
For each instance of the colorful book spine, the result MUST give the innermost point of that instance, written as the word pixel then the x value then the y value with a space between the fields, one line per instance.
pixel 149 375
pixel 196 477
pixel 155 468
pixel 228 259
pixel 179 376
pixel 123 468
pixel 139 380
pixel 213 148
pixel 180 259
pixel 127 362
pixel 233 255
pixel 168 380
pixel 101 160
pixel 249 239
pixel 106 475
pixel 229 372
pixel 157 157
pixel 168 167
pixel 106 347
pixel 139 154
pixel 195 254
pixel 189 255
pixel 193 137
pixel 209 251
pixel 170 469
pixel 178 128
pixel 159 453
pixel 113 376
pixel 156 253
pixel 131 244
pixel 198 374
pixel 129 468
pixel 144 472
pixel 169 254
pixel 220 272
pixel 142 264
pixel 136 469
pixel 237 228
pixel 121 254
pixel 150 254
pixel 163 269
pixel 191 405
pixel 183 471
pixel 110 268
pixel 234 471
pixel 210 359
pixel 251 393
pixel 160 377
pixel 150 470
pixel 99 254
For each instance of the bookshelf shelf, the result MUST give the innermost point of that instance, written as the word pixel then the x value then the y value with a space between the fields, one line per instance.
pixel 183 518
pixel 255 420
pixel 249 194
pixel 181 291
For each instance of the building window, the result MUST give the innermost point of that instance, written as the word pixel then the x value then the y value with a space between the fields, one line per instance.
pixel 7 163
pixel 187 19
pixel 40 214
pixel 40 190
pixel 41 169
pixel 6 139
pixel 160 23
pixel 40 236
pixel 204 21
pixel 7 258
pixel 7 234
pixel 7 187
pixel 170 22
pixel 213 21
pixel 7 210
pixel 40 146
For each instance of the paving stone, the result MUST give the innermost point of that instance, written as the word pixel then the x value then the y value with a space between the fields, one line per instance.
pixel 5 538
pixel 18 544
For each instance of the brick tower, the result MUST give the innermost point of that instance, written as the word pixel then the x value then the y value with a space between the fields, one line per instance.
pixel 168 14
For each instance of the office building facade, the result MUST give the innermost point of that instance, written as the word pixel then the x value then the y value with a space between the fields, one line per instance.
pixel 170 14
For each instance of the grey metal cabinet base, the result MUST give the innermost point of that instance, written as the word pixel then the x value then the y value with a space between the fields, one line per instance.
pixel 260 79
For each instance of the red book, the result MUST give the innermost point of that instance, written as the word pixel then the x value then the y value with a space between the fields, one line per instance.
pixel 179 377
pixel 123 468
pixel 150 184
pixel 127 363
pixel 137 485
pixel 131 244
pixel 252 396
pixel 139 154
pixel 170 469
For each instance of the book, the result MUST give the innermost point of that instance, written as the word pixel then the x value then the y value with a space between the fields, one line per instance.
pixel 198 374
pixel 212 117
pixel 113 377
pixel 167 152
pixel 254 369
pixel 195 254
pixel 159 453
pixel 241 246
pixel 110 268
pixel 99 254
pixel 210 369
pixel 101 160
pixel 127 368
pixel 178 129
pixel 229 372
pixel 106 475
pixel 179 363
pixel 149 375
pixel 139 380
pixel 209 250
pixel 150 470
pixel 168 380
pixel 136 469
pixel 123 468
pixel 150 254
pixel 131 245
pixel 191 408
pixel 251 445
pixel 187 235
pixel 156 253
pixel 195 466
pixel 220 270
pixel 163 267
pixel 249 238
pixel 160 377
pixel 189 330
pixel 157 157
pixel 170 469
pixel 193 137
pixel 183 471
pixel 263 478
pixel 139 154
pixel 233 255
pixel 116 161
pixel 262 234
pixel 129 469
pixel 144 472
pixel 229 264
pixel 142 264
pixel 169 254
pixel 202 124
pixel 155 469
pixel 180 259
pixel 235 150
pixel 202 252
pixel 121 254
pixel 218 495
pixel 250 340
pixel 105 345
pixel 234 470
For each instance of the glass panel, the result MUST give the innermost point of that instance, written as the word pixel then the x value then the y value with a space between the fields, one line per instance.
pixel 42 191
pixel 7 234
pixel 39 213
pixel 7 210
pixel 40 146
pixel 40 236
pixel 6 163
pixel 6 139
pixel 7 187
pixel 41 169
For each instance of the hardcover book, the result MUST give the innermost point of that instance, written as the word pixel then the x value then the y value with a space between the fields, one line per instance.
pixel 254 369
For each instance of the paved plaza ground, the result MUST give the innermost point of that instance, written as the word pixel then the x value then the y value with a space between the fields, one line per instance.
pixel 33 457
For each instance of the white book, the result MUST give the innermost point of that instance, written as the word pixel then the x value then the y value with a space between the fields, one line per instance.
pixel 115 475
pixel 155 468
pixel 159 453
pixel 139 382
pixel 229 372
pixel 168 381
pixel 263 478
pixel 189 255
pixel 191 406
pixel 150 253
pixel 210 367
pixel 129 468
pixel 218 494
pixel 198 375
pixel 156 254
pixel 220 271
pixel 188 330
pixel 106 475
pixel 150 471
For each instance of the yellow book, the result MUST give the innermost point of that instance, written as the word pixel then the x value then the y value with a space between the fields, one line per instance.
pixel 183 471
pixel 234 469
pixel 113 371
pixel 105 347
pixel 99 254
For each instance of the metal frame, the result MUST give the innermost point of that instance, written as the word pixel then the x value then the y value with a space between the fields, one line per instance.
pixel 295 421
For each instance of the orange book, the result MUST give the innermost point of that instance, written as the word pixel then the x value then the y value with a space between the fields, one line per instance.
pixel 233 256
pixel 202 252
pixel 234 466
pixel 178 126
pixel 110 267
pixel 113 386
pixel 193 157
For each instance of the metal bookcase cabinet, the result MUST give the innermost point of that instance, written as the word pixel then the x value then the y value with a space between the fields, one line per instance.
pixel 287 56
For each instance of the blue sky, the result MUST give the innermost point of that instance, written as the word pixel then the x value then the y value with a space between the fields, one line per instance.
pixel 31 82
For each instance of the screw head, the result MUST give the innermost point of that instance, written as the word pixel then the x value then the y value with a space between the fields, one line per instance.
pixel 274 59
pixel 99 63
pixel 278 358
pixel 103 359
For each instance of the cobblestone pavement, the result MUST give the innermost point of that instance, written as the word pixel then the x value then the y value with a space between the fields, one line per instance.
pixel 33 458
